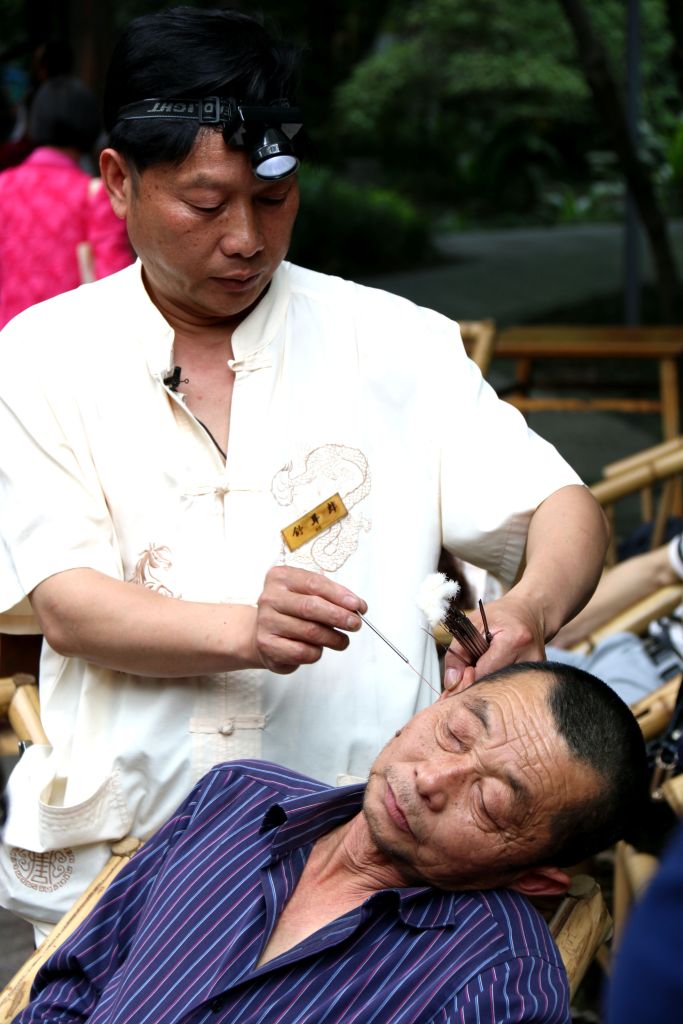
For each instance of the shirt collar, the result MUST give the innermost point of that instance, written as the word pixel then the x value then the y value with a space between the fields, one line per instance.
pixel 299 821
pixel 250 338
pixel 256 332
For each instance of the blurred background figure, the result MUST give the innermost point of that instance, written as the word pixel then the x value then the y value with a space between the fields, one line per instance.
pixel 59 230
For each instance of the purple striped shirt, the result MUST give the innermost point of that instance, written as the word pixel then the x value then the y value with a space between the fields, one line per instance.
pixel 177 934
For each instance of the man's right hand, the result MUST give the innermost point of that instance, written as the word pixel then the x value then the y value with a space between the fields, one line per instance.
pixel 299 614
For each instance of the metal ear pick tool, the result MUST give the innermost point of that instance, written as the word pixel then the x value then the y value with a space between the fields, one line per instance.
pixel 396 651
pixel 460 628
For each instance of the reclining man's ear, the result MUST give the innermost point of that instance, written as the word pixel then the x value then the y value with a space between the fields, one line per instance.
pixel 541 881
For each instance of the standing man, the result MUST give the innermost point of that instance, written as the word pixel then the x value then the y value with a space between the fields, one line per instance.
pixel 214 417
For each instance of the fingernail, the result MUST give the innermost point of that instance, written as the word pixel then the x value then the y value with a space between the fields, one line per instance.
pixel 351 602
pixel 353 622
pixel 451 678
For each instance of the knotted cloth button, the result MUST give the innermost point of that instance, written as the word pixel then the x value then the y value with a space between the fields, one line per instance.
pixel 227 728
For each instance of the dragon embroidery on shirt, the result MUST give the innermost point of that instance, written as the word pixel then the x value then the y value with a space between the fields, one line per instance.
pixel 152 559
pixel 347 471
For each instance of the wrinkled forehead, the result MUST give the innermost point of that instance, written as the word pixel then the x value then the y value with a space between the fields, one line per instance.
pixel 519 701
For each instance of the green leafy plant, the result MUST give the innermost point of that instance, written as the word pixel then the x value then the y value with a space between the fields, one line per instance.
pixel 352 230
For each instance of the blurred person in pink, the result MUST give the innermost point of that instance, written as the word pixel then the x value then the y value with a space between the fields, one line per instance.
pixel 59 229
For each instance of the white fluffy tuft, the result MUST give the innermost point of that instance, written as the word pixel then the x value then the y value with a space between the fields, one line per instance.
pixel 434 595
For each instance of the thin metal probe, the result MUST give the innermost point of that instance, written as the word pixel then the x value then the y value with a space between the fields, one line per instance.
pixel 487 632
pixel 382 637
pixel 396 651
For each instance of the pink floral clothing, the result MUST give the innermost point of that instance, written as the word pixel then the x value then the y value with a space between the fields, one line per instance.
pixel 49 207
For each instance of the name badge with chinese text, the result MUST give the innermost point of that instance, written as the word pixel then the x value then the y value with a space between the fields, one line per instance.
pixel 320 518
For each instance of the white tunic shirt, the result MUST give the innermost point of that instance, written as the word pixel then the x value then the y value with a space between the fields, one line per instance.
pixel 339 389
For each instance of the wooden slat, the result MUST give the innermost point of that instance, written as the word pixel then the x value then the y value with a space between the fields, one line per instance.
pixel 672 792
pixel 654 711
pixel 549 404
pixel 637 618
pixel 530 344
pixel 643 457
pixel 479 339
pixel 580 926
pixel 632 872
pixel 640 475
pixel 554 341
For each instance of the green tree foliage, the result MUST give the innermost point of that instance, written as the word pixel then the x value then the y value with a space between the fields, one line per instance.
pixel 484 103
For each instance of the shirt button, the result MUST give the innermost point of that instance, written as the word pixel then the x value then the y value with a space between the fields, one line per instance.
pixel 227 728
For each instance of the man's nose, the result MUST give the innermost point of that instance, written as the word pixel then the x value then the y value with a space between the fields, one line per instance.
pixel 437 780
pixel 241 233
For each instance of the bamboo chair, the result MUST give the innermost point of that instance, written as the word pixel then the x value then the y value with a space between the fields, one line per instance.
pixel 19 713
pixel 655 475
pixel 580 926
pixel 479 339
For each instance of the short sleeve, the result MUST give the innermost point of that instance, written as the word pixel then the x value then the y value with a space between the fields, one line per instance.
pixel 53 513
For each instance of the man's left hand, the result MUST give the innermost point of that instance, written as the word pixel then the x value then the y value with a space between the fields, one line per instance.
pixel 517 636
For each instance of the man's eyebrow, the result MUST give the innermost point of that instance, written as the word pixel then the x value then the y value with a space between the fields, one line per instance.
pixel 203 180
pixel 479 707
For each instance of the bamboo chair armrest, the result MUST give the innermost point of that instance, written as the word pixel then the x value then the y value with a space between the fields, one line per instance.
pixel 638 617
pixel 644 457
pixel 580 925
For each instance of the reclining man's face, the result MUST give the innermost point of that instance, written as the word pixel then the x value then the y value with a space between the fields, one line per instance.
pixel 463 796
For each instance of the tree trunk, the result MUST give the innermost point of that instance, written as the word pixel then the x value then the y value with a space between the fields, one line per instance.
pixel 674 12
pixel 608 102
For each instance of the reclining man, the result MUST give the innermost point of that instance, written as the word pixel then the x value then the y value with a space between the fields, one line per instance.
pixel 269 896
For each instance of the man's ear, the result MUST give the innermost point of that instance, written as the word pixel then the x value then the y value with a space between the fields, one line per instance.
pixel 117 177
pixel 542 881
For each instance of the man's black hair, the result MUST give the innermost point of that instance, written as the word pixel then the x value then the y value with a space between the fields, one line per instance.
pixel 602 733
pixel 64 113
pixel 186 52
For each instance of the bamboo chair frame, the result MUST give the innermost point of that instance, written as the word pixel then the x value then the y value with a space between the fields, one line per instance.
pixel 19 713
pixel 656 469
pixel 479 339
pixel 580 926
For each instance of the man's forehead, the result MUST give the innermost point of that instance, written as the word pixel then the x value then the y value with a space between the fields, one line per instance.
pixel 529 689
pixel 509 717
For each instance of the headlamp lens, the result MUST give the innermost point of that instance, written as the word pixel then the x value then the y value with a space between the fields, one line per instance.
pixel 272 155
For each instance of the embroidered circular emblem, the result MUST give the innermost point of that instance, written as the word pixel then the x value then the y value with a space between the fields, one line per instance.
pixel 44 872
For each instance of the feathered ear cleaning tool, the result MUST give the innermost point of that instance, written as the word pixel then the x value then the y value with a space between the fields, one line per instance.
pixel 436 598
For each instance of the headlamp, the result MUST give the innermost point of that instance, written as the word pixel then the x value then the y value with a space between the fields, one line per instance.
pixel 265 132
